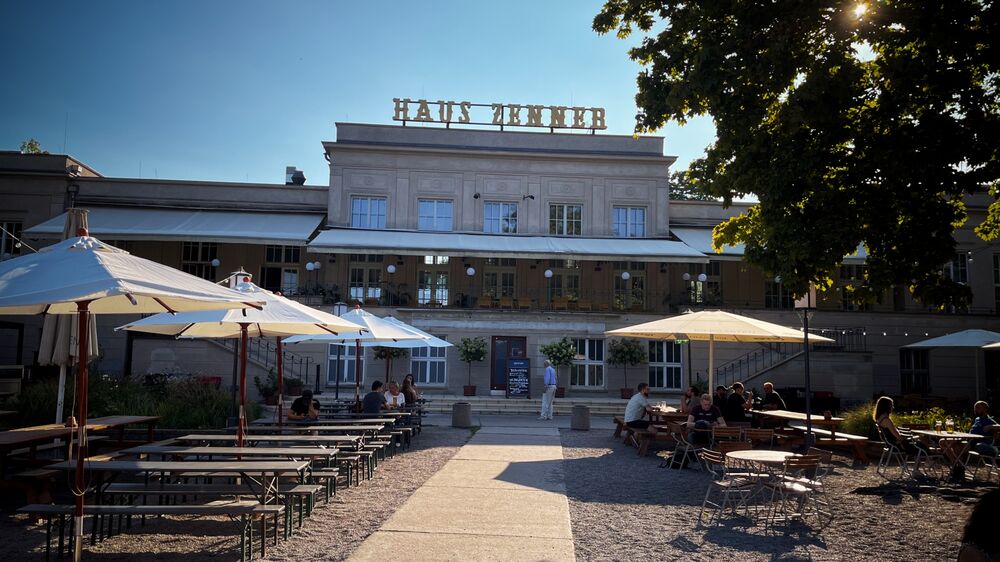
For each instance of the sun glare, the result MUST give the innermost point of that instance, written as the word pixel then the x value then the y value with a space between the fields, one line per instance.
pixel 860 10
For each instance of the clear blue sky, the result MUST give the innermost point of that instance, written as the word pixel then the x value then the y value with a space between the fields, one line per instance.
pixel 235 91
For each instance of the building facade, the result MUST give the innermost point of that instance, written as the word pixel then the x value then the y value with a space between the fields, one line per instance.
pixel 519 238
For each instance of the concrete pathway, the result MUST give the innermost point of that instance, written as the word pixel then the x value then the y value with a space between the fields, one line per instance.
pixel 502 497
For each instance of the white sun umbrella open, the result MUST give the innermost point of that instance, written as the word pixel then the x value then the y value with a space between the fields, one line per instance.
pixel 85 276
pixel 381 332
pixel 280 317
pixel 974 339
pixel 713 326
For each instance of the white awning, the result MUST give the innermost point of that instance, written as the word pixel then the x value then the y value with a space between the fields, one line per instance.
pixel 701 239
pixel 410 243
pixel 144 223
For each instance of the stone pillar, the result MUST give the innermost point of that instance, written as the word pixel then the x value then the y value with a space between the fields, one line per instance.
pixel 581 417
pixel 461 415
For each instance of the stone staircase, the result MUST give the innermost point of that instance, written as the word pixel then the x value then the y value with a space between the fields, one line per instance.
pixel 442 403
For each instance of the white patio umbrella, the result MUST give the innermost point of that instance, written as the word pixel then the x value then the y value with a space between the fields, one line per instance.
pixel 713 326
pixel 84 275
pixel 380 332
pixel 973 338
pixel 279 318
pixel 59 332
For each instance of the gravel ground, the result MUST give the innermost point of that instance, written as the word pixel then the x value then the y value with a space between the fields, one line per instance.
pixel 332 533
pixel 652 513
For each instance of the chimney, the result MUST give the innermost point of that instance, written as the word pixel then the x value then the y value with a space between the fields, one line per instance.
pixel 294 176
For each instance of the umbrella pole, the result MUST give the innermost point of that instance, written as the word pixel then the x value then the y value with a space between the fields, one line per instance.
pixel 711 363
pixel 357 370
pixel 81 443
pixel 61 397
pixel 242 420
pixel 977 375
pixel 281 384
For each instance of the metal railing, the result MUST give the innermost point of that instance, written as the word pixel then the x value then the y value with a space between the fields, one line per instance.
pixel 264 352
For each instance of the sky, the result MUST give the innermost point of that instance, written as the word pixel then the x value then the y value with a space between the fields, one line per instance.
pixel 236 91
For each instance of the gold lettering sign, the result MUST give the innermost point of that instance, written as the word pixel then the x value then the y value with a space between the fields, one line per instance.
pixel 501 114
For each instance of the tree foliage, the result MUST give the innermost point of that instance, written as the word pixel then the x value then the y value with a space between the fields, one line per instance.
pixel 683 188
pixel 627 352
pixel 32 146
pixel 560 353
pixel 471 350
pixel 851 123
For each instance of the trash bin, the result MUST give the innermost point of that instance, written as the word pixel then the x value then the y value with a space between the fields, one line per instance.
pixel 461 414
pixel 581 417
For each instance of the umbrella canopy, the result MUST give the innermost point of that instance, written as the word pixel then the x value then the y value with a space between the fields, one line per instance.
pixel 280 317
pixel 973 338
pixel 87 276
pixel 713 326
pixel 56 278
pixel 427 341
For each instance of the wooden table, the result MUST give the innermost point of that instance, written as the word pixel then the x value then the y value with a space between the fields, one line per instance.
pixel 764 457
pixel 787 415
pixel 33 436
pixel 335 440
pixel 667 414
pixel 967 438
pixel 318 427
pixel 291 453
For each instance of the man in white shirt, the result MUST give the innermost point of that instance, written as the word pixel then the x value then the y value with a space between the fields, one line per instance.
pixel 393 397
pixel 637 408
pixel 551 382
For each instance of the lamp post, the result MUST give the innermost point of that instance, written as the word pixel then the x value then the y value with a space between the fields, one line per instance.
pixel 548 276
pixel 470 272
pixel 310 266
pixel 338 310
pixel 805 306
pixel 390 269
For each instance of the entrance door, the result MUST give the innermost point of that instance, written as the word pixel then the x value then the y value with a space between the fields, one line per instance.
pixel 505 348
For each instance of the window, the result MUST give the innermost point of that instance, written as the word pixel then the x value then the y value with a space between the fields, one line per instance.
pixel 777 296
pixel 434 215
pixel 428 365
pixel 432 281
pixel 346 357
pixel 566 220
pixel 10 234
pixel 196 259
pixel 630 222
pixel 665 365
pixel 565 280
pixel 500 218
pixel 851 275
pixel 499 277
pixel 914 373
pixel 284 279
pixel 281 254
pixel 629 284
pixel 589 370
pixel 708 291
pixel 366 278
pixel 368 212
pixel 958 269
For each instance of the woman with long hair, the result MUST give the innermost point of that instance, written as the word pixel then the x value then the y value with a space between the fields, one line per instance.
pixel 882 414
pixel 409 390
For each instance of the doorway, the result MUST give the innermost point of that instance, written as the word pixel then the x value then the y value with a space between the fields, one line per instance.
pixel 505 348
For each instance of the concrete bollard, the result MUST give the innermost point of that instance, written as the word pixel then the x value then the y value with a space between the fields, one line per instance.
pixel 581 417
pixel 461 414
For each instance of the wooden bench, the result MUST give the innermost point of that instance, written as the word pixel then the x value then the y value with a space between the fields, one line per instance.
pixel 246 512
pixel 643 437
pixel 856 443
pixel 36 484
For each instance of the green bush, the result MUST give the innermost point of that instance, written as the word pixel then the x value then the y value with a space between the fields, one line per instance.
pixel 859 421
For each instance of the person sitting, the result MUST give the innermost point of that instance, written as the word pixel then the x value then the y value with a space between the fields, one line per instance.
pixel 771 400
pixel 980 541
pixel 393 397
pixel 702 417
pixel 409 390
pixel 983 425
pixel 737 404
pixel 637 408
pixel 882 414
pixel 374 402
pixel 719 398
pixel 304 408
pixel 688 399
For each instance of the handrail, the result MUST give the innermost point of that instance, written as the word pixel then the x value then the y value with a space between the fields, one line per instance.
pixel 265 353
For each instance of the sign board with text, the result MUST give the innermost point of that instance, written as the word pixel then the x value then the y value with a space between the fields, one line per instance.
pixel 501 114
pixel 518 378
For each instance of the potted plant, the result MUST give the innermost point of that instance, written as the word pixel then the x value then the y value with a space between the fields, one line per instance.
pixel 267 388
pixel 292 387
pixel 561 354
pixel 627 353
pixel 471 350
pixel 389 353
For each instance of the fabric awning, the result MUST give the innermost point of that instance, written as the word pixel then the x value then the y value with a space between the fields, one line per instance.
pixel 144 223
pixel 701 239
pixel 410 243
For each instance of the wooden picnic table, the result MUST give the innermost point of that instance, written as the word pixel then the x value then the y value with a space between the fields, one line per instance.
pixel 335 440
pixel 320 427
pixel 32 437
pixel 666 414
pixel 344 421
pixel 291 453
pixel 788 415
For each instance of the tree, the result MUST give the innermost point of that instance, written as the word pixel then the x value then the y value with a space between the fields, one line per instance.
pixel 389 353
pixel 32 146
pixel 472 350
pixel 560 353
pixel 682 188
pixel 851 123
pixel 627 353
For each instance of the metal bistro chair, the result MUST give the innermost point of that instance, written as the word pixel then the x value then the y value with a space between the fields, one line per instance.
pixel 978 461
pixel 724 434
pixel 893 453
pixel 760 438
pixel 793 492
pixel 724 486
pixel 685 452
pixel 726 447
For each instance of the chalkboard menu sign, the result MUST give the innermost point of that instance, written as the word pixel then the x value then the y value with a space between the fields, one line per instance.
pixel 518 378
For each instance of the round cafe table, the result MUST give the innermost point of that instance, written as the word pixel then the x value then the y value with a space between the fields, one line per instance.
pixel 763 456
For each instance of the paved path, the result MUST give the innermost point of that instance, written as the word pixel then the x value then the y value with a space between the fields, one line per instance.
pixel 502 497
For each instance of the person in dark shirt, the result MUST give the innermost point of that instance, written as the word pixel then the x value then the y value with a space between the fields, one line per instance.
pixel 702 417
pixel 304 408
pixel 772 400
pixel 737 404
pixel 719 398
pixel 374 402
